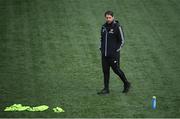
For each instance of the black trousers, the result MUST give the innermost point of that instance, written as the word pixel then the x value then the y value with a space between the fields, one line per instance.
pixel 112 62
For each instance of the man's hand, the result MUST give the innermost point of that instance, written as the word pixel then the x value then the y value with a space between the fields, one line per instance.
pixel 118 49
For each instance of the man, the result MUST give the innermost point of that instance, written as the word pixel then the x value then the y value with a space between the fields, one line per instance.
pixel 112 41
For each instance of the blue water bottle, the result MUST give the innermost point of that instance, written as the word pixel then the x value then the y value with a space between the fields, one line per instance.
pixel 154 102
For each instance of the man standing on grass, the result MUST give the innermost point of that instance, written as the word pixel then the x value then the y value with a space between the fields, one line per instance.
pixel 112 40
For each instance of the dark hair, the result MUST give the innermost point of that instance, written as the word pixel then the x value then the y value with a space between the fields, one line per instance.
pixel 108 13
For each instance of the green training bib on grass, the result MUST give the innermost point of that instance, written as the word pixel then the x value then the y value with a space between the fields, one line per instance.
pixel 58 110
pixel 19 107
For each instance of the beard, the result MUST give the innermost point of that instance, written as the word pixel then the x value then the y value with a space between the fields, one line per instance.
pixel 109 22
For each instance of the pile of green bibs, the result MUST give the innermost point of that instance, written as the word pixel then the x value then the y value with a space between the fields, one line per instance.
pixel 20 107
pixel 58 110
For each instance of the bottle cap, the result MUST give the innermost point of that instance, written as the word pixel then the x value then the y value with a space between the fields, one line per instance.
pixel 154 96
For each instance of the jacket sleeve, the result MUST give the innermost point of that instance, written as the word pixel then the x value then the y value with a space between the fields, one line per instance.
pixel 120 37
pixel 100 38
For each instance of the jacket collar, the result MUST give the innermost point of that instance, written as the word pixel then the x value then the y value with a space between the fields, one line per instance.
pixel 111 24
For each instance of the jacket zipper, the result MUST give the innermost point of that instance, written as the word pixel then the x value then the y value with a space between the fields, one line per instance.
pixel 106 43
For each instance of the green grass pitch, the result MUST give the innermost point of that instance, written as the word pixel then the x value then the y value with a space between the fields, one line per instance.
pixel 49 55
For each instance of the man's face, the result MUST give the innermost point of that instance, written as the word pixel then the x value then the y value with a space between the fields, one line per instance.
pixel 109 18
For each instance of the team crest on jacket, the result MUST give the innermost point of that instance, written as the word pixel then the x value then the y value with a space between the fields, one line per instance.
pixel 111 31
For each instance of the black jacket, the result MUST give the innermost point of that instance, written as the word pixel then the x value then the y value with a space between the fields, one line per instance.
pixel 112 39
